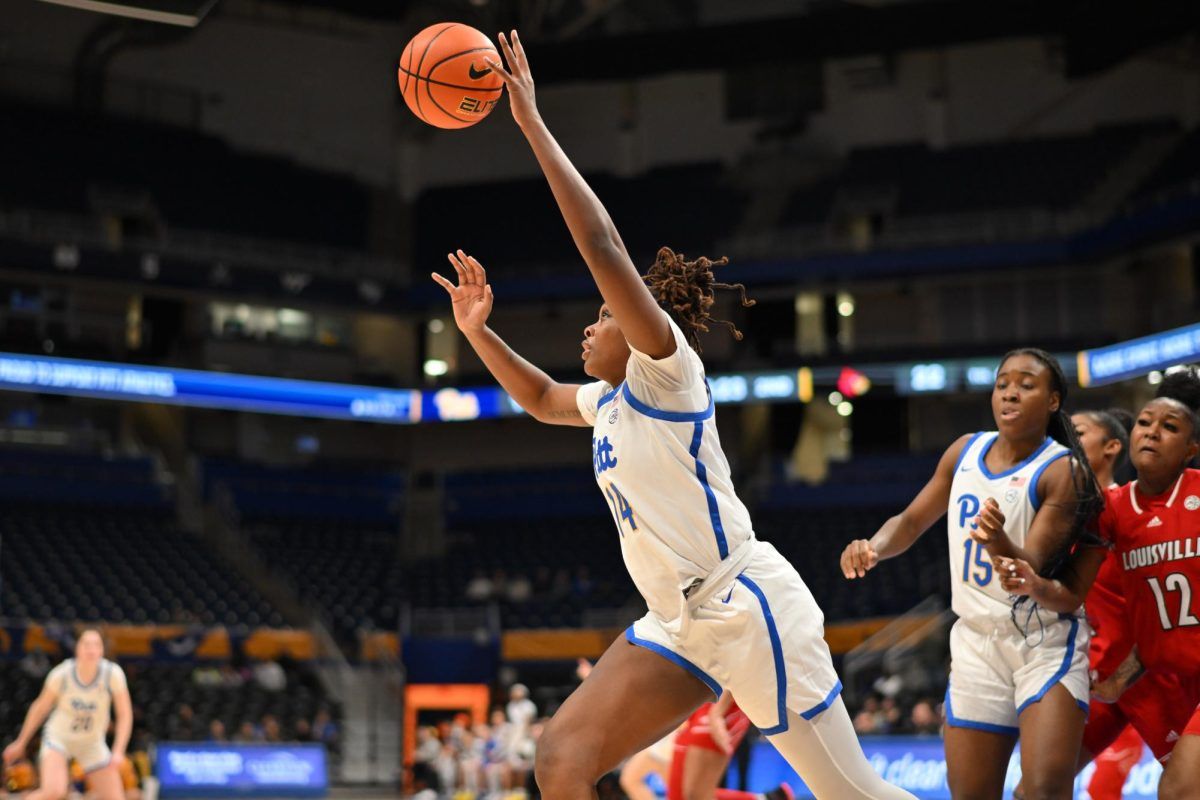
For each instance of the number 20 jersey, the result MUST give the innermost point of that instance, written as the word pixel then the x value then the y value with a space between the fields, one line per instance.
pixel 1157 544
pixel 976 593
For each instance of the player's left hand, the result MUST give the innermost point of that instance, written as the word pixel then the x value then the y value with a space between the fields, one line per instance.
pixel 117 761
pixel 1108 690
pixel 990 523
pixel 1016 576
pixel 517 78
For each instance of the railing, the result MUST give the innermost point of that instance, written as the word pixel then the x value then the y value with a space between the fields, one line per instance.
pixel 449 621
pixel 911 646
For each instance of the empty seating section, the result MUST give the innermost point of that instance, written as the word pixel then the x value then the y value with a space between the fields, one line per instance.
pixel 360 494
pixel 195 180
pixel 1181 167
pixel 550 532
pixel 92 538
pixel 687 208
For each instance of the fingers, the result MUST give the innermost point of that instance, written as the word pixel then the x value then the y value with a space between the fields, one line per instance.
pixel 519 51
pixel 981 536
pixel 464 274
pixel 858 558
pixel 478 273
pixel 509 55
pixel 445 284
pixel 499 69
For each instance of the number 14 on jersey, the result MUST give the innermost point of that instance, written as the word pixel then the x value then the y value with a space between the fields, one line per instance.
pixel 622 511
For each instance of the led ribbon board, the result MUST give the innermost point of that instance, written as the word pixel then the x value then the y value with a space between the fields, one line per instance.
pixel 1136 357
pixel 234 770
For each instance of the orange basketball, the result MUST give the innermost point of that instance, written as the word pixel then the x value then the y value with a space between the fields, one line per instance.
pixel 444 77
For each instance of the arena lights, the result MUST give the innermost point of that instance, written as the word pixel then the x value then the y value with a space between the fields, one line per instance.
pixel 1138 357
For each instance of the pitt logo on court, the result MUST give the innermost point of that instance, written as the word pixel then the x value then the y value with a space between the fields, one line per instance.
pixel 603 458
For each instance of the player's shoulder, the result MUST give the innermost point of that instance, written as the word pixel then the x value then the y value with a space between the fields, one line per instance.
pixel 1190 483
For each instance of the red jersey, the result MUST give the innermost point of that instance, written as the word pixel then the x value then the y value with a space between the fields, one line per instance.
pixel 1157 543
pixel 697 732
pixel 1105 608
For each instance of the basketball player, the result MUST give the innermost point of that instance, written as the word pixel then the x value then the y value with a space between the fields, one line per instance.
pixel 1105 439
pixel 77 698
pixel 725 610
pixel 1154 525
pixel 703 750
pixel 1015 492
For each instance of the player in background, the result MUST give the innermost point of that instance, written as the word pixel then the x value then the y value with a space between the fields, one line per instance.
pixel 725 610
pixel 703 750
pixel 1154 526
pixel 1105 439
pixel 1024 490
pixel 75 704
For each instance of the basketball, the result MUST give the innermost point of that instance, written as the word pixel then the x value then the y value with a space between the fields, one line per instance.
pixel 444 76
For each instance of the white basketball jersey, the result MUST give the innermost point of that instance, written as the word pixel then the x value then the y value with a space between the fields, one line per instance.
pixel 660 467
pixel 975 591
pixel 82 711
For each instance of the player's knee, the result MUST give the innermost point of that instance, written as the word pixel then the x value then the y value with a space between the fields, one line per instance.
pixel 1047 784
pixel 559 763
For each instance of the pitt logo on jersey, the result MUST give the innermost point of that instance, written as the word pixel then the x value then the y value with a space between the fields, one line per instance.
pixel 82 706
pixel 603 455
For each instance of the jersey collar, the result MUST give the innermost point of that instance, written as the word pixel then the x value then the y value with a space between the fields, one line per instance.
pixel 1134 490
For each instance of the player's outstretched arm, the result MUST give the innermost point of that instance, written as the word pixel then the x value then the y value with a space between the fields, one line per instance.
pixel 545 399
pixel 643 323
pixel 39 709
pixel 898 533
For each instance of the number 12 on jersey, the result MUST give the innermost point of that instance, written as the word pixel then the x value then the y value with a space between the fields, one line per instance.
pixel 620 508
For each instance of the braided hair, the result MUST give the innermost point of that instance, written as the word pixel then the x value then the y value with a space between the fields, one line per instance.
pixel 685 290
pixel 1089 499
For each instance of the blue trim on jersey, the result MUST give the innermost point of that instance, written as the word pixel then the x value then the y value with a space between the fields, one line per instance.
pixel 1062 669
pixel 1082 704
pixel 655 647
pixel 777 652
pixel 714 513
pixel 667 416
pixel 81 684
pixel 99 766
pixel 959 722
pixel 605 398
pixel 966 448
pixel 1033 482
pixel 50 744
pixel 987 448
pixel 824 704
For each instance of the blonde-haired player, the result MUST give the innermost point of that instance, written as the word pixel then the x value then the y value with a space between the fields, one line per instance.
pixel 76 701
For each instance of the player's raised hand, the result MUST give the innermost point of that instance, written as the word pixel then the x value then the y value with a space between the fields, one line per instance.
pixel 1016 576
pixel 517 78
pixel 472 298
pixel 990 523
pixel 858 558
